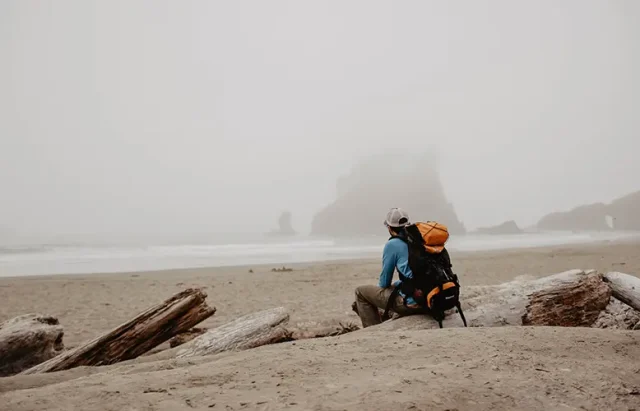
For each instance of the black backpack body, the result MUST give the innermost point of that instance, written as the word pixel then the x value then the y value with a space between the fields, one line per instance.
pixel 434 286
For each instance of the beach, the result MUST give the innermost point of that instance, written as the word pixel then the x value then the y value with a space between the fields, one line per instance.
pixel 339 372
pixel 89 304
pixel 199 196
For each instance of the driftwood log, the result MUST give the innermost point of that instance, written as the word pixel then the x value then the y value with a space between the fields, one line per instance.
pixel 137 336
pixel 250 331
pixel 261 328
pixel 320 331
pixel 28 340
pixel 570 299
pixel 625 287
pixel 186 336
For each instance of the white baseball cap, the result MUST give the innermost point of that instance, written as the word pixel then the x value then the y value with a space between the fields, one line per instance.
pixel 397 217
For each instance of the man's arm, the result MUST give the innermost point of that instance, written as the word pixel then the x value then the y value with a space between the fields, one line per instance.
pixel 389 258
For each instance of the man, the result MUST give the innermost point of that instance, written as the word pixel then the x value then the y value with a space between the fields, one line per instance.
pixel 395 256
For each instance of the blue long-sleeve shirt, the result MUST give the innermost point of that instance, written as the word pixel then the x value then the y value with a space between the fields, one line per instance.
pixel 395 256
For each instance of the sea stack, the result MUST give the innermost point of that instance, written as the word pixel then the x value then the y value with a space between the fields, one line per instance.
pixel 284 225
pixel 379 183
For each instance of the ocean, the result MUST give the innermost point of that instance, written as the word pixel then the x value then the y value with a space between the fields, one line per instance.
pixel 46 259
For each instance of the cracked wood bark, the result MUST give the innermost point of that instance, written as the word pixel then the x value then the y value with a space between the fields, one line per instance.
pixel 28 340
pixel 625 287
pixel 249 331
pixel 137 336
pixel 571 299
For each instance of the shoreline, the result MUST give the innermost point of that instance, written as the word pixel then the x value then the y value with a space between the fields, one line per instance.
pixel 629 238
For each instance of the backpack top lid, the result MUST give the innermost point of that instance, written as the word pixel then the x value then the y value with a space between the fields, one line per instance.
pixel 434 235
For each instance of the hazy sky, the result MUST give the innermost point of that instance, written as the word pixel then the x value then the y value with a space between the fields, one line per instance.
pixel 179 116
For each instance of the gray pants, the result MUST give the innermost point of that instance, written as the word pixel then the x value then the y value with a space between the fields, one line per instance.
pixel 370 298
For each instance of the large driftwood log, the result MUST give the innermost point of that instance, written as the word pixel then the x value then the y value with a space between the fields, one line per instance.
pixel 28 340
pixel 569 304
pixel 253 330
pixel 572 299
pixel 625 287
pixel 147 330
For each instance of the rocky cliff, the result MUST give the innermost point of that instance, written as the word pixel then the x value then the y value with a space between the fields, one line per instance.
pixel 379 183
pixel 622 213
pixel 625 212
pixel 585 217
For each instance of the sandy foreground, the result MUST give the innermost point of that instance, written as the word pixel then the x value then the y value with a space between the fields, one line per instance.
pixel 470 369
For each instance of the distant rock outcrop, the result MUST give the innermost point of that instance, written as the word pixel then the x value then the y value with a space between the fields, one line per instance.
pixel 623 214
pixel 508 227
pixel 284 225
pixel 586 217
pixel 373 187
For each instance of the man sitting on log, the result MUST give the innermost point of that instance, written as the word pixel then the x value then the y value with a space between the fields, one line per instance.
pixel 395 256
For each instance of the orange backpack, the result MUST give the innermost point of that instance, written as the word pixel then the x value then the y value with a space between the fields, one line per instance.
pixel 434 235
pixel 434 285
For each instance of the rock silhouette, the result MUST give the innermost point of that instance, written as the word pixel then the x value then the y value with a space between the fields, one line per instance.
pixel 626 212
pixel 284 225
pixel 623 212
pixel 508 227
pixel 381 182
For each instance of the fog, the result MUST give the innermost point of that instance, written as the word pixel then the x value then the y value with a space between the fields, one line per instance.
pixel 160 117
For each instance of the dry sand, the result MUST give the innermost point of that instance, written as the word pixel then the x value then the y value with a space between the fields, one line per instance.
pixel 474 369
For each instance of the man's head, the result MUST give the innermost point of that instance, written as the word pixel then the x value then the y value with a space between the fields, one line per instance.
pixel 396 220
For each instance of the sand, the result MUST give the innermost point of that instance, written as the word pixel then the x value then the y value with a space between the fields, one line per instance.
pixel 475 369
